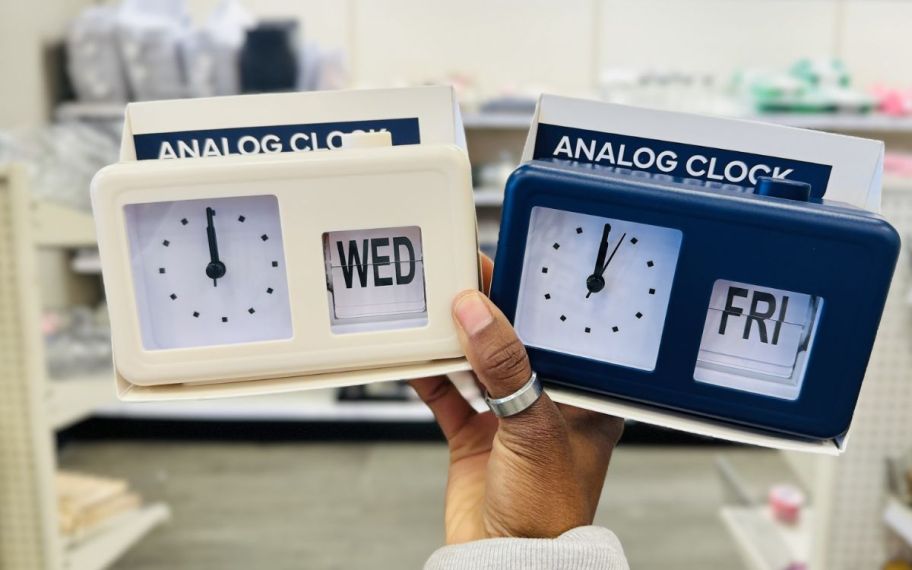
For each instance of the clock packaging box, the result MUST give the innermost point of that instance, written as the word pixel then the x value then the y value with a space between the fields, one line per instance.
pixel 269 243
pixel 712 275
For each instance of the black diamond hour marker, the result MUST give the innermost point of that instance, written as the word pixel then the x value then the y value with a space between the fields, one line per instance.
pixel 224 319
pixel 634 240
pixel 250 310
pixel 652 291
pixel 264 237
pixel 547 295
pixel 196 314
pixel 184 222
pixel 563 317
pixel 166 243
pixel 615 329
pixel 639 315
pixel 269 290
pixel 579 230
pixel 556 245
pixel 588 330
pixel 275 263
pixel 649 263
pixel 544 269
pixel 161 269
pixel 241 219
pixel 173 296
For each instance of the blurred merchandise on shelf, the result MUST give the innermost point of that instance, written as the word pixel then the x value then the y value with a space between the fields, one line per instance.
pixel 521 104
pixel 492 176
pixel 810 86
pixel 898 164
pixel 268 61
pixel 77 340
pixel 892 101
pixel 786 502
pixel 897 565
pixel 87 261
pixel 139 50
pixel 93 61
pixel 87 502
pixel 151 35
pixel 62 158
pixel 673 90
pixel 212 51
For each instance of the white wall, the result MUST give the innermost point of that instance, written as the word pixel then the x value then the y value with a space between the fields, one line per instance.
pixel 25 29
pixel 537 44
pixel 562 45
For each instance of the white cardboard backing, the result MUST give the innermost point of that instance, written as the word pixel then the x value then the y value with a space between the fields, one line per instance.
pixel 856 164
pixel 289 117
pixel 853 168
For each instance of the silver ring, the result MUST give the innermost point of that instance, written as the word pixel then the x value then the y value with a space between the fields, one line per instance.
pixel 516 402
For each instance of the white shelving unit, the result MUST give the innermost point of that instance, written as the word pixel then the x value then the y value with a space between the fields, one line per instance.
pixel 837 122
pixel 107 544
pixel 764 543
pixel 898 517
pixel 33 406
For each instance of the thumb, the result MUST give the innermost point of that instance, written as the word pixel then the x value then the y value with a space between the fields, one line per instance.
pixel 499 360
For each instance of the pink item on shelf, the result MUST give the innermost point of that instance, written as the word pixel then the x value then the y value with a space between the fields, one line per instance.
pixel 786 502
pixel 898 164
pixel 892 101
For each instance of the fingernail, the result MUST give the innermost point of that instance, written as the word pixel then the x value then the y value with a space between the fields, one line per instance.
pixel 472 313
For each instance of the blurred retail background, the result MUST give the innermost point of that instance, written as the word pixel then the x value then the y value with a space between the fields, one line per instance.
pixel 354 478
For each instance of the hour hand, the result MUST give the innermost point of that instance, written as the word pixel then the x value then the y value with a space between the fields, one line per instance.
pixel 595 282
pixel 215 269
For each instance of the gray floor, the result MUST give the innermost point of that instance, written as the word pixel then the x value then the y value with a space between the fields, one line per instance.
pixel 380 506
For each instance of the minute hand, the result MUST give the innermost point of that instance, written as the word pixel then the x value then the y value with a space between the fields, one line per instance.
pixel 610 257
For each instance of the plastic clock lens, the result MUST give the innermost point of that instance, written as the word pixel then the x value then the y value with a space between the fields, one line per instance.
pixel 209 272
pixel 596 287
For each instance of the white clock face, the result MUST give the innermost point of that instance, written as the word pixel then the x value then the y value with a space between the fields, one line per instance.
pixel 596 287
pixel 375 279
pixel 209 272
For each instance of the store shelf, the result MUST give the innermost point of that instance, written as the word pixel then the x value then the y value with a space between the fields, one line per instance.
pixel 839 122
pixel 898 516
pixel 499 121
pixel 488 197
pixel 90 111
pixel 54 225
pixel 110 542
pixel 765 544
pixel 73 399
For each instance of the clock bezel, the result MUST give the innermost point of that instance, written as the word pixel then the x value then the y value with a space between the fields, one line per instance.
pixel 312 190
pixel 829 236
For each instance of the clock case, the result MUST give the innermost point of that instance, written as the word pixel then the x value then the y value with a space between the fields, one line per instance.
pixel 844 254
pixel 426 185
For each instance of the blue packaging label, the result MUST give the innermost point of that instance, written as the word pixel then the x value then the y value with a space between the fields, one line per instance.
pixel 679 160
pixel 268 139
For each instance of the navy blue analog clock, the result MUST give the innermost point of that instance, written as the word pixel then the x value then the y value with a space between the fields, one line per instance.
pixel 756 306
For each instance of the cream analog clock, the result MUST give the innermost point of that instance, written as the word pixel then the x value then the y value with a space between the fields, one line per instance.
pixel 596 287
pixel 308 265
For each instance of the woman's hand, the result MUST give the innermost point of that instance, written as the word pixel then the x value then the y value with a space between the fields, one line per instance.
pixel 536 474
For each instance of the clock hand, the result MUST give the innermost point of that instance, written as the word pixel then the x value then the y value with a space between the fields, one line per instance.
pixel 596 281
pixel 215 270
pixel 620 241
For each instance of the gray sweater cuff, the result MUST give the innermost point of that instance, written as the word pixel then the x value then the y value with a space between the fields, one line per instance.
pixel 583 548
